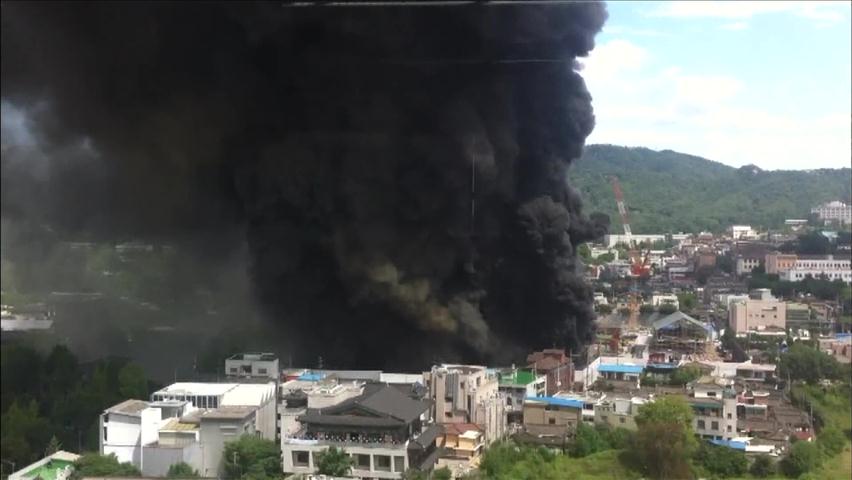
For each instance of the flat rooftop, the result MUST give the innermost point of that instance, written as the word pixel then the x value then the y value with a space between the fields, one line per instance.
pixel 197 389
pixel 129 407
pixel 228 413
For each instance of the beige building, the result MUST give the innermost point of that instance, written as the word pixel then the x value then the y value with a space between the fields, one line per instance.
pixel 618 412
pixel 550 416
pixel 467 394
pixel 777 262
pixel 760 312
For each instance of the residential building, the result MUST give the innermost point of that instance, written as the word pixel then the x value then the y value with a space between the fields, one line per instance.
pixel 461 445
pixel 257 365
pixel 631 240
pixel 658 299
pixel 621 376
pixel 839 347
pixel 714 406
pixel 171 429
pixel 745 264
pixel 556 365
pixel 760 312
pixel 827 266
pixel 56 466
pixel 777 262
pixel 705 259
pixel 467 394
pixel 515 386
pixel 384 431
pixel 799 316
pixel 618 412
pixel 552 416
pixel 742 232
pixel 834 212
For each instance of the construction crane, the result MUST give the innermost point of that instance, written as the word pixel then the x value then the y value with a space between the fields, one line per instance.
pixel 640 267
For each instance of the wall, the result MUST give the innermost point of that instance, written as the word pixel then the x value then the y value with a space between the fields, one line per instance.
pixel 123 435
pixel 751 314
pixel 213 436
pixel 314 446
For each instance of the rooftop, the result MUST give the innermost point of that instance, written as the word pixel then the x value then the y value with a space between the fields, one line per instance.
pixel 129 407
pixel 253 394
pixel 562 402
pixel 617 368
pixel 175 425
pixel 228 413
pixel 197 388
pixel 263 357
pixel 517 377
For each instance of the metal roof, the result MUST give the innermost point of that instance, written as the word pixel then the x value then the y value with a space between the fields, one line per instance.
pixel 615 368
pixel 562 402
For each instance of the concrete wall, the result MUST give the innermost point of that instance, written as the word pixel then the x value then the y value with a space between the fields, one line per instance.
pixel 213 436
pixel 541 414
pixel 396 453
pixel 753 314
pixel 123 433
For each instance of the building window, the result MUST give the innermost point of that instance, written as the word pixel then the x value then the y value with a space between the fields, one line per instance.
pixel 729 428
pixel 398 464
pixel 382 462
pixel 233 370
pixel 301 458
pixel 730 416
pixel 261 371
pixel 714 426
pixel 105 434
pixel 621 420
pixel 551 421
pixel 701 424
pixel 362 462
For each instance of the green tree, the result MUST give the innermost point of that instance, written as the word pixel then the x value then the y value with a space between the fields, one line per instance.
pixel 132 382
pixel 587 441
pixel 414 474
pixel 831 441
pixel 334 462
pixel 802 362
pixel 443 473
pixel 687 301
pixel 96 465
pixel 665 441
pixel 762 467
pixel 666 309
pixel 252 457
pixel 803 457
pixel 181 470
pixel 722 461
pixel 684 375
pixel 603 309
pixel 646 309
pixel 25 434
pixel 53 446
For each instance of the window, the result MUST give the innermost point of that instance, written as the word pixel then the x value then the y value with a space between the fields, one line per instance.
pixel 621 420
pixel 730 416
pixel 398 464
pixel 729 428
pixel 701 425
pixel 105 434
pixel 233 369
pixel 106 418
pixel 301 458
pixel 362 461
pixel 551 421
pixel 448 414
pixel 261 371
pixel 714 426
pixel 382 462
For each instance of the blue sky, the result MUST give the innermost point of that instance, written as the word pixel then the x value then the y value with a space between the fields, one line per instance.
pixel 766 83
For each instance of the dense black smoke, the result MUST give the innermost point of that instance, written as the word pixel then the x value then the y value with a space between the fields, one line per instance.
pixel 399 171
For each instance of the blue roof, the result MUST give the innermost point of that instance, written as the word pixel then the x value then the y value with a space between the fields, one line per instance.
pixel 311 377
pixel 662 366
pixel 730 444
pixel 562 402
pixel 621 368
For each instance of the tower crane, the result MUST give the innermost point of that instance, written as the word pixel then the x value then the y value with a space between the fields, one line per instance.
pixel 639 267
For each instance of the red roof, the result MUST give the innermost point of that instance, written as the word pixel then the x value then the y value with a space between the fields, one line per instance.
pixel 807 436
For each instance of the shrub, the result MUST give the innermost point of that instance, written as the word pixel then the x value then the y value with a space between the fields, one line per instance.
pixel 723 461
pixel 763 466
pixel 803 457
pixel 831 441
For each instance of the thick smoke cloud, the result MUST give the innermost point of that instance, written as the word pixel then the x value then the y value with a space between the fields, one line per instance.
pixel 399 171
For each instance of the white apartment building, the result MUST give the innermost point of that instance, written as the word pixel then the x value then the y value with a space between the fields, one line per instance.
pixel 742 232
pixel 817 266
pixel 631 240
pixel 658 299
pixel 187 422
pixel 714 406
pixel 746 264
pixel 834 212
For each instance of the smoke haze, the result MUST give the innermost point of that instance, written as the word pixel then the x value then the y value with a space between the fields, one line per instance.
pixel 398 173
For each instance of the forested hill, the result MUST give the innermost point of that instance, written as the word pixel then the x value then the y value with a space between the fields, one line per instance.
pixel 667 191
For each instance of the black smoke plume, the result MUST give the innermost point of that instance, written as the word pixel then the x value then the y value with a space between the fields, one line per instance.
pixel 399 170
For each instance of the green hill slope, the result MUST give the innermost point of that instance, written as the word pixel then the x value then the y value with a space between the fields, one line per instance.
pixel 667 191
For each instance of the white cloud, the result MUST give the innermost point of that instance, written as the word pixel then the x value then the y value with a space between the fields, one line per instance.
pixel 611 59
pixel 638 103
pixel 828 11
pixel 735 26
